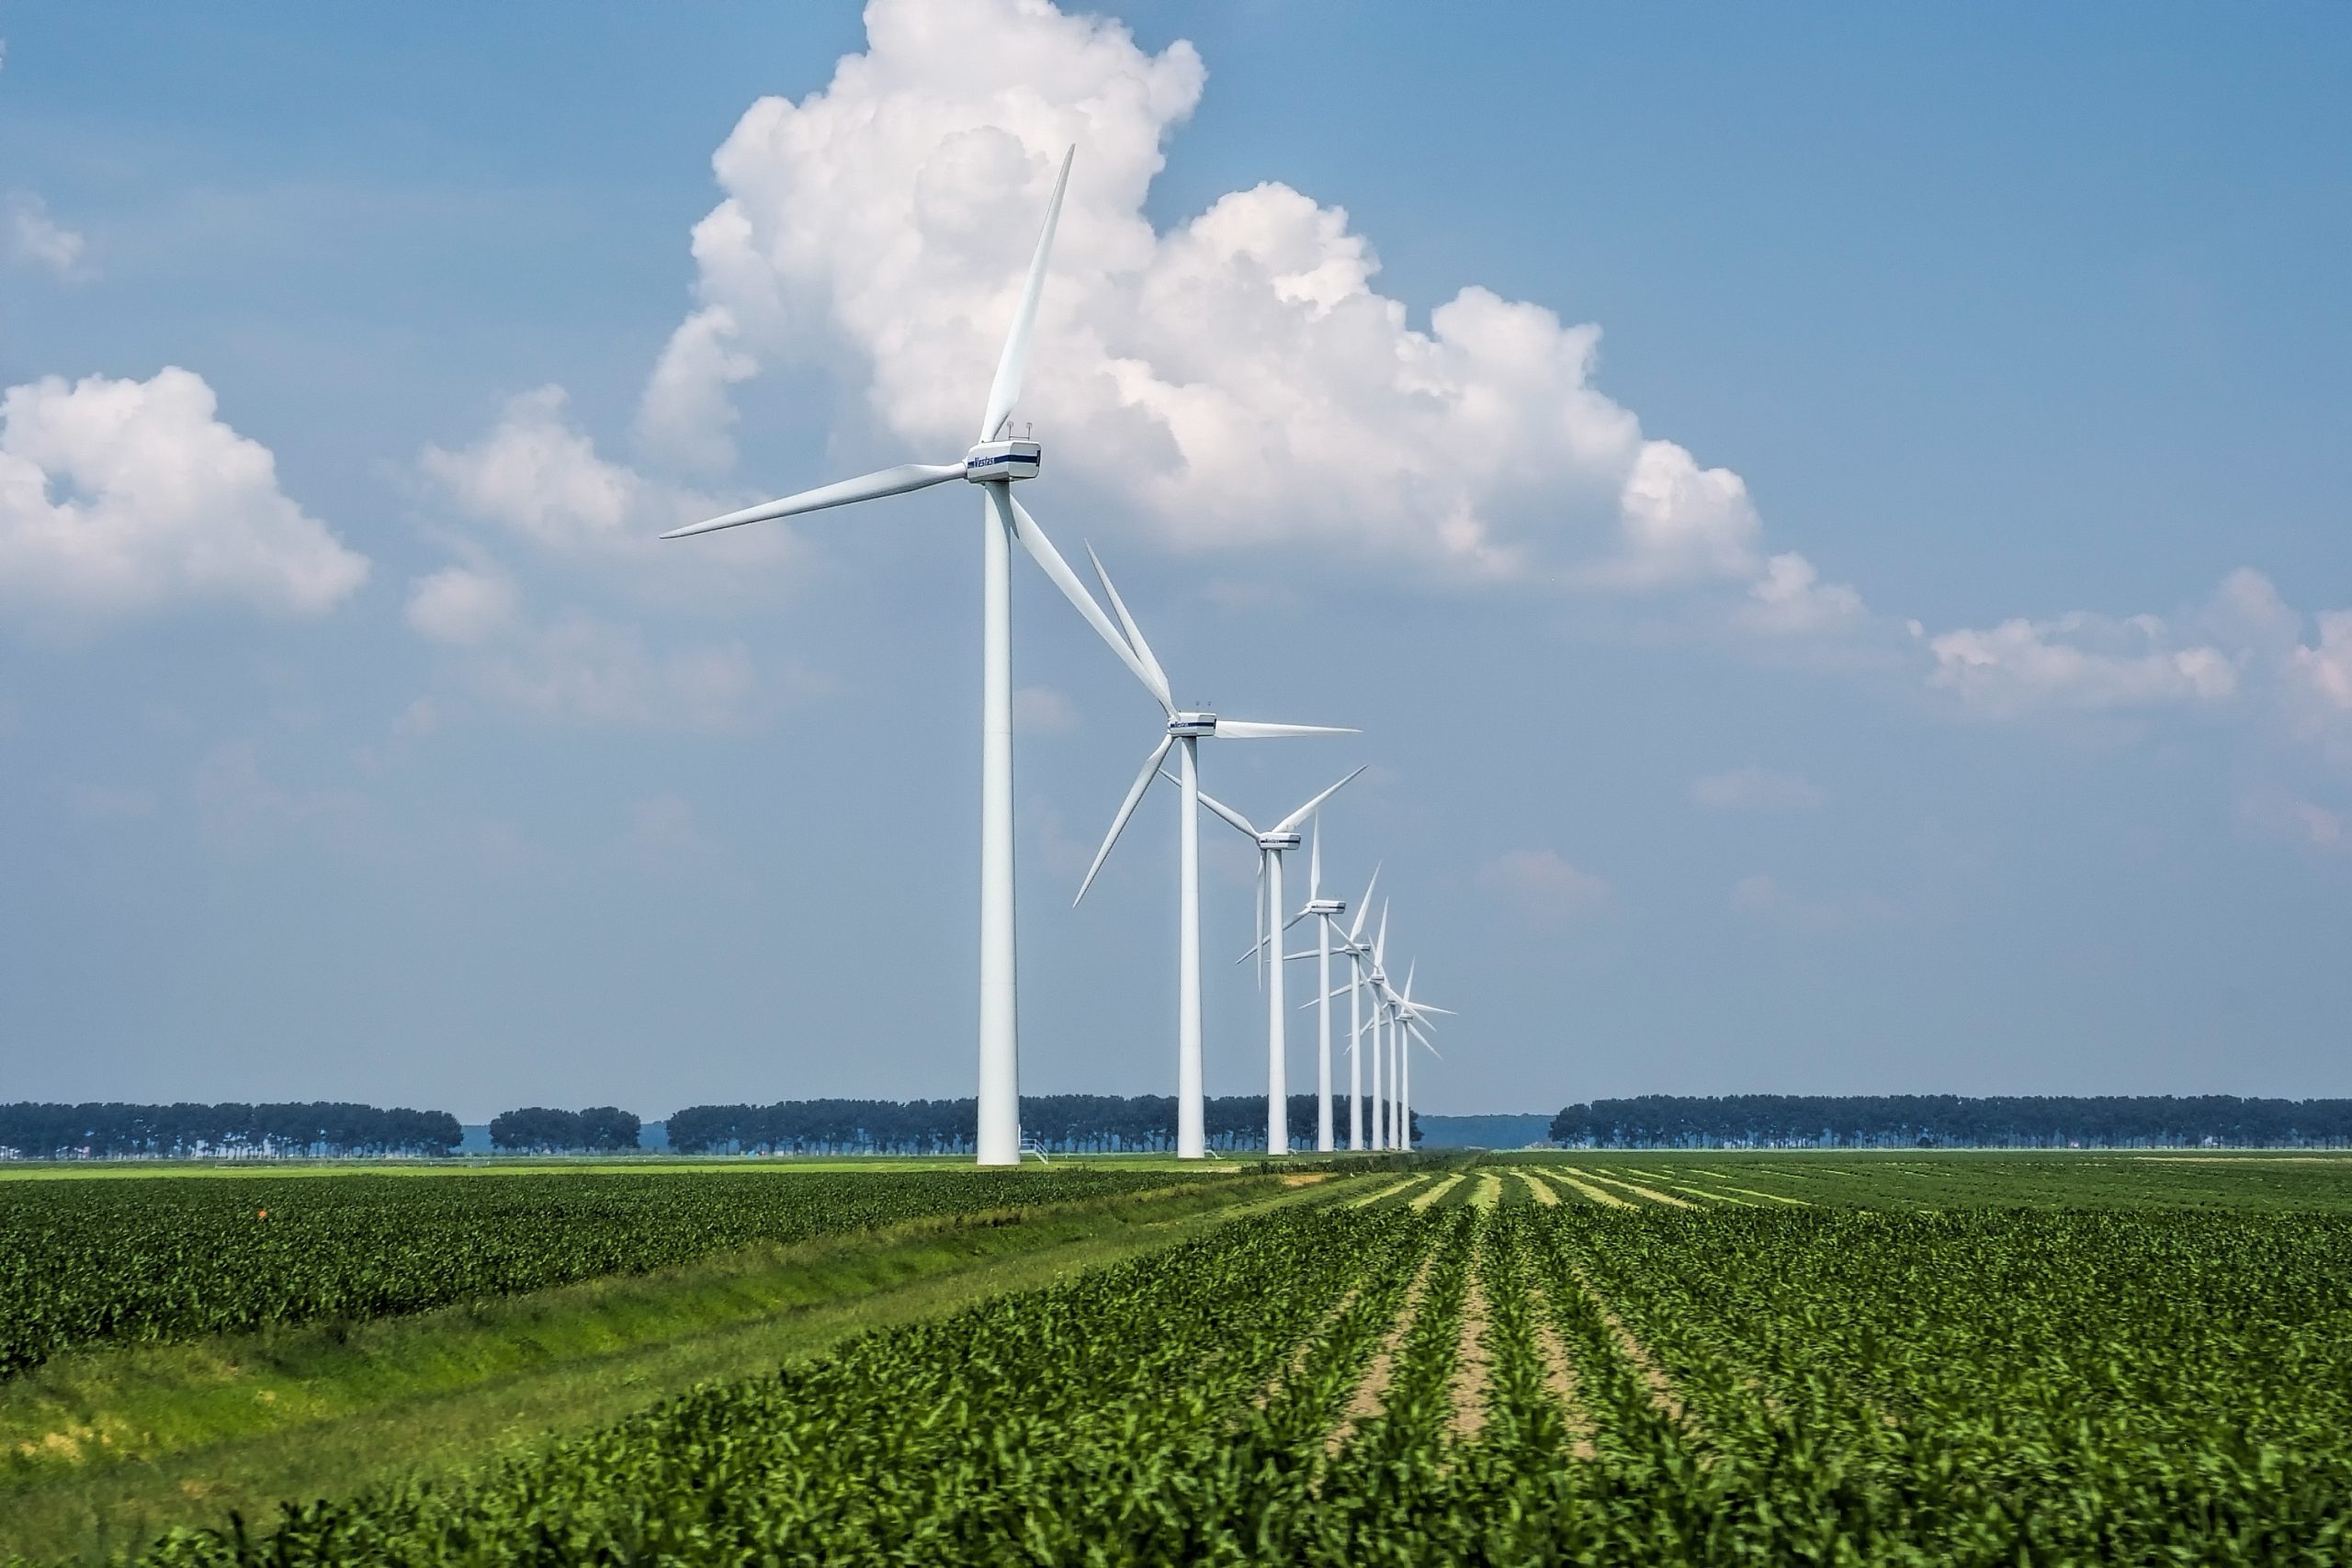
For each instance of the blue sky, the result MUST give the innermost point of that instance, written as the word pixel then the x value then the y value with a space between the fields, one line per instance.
pixel 1834 530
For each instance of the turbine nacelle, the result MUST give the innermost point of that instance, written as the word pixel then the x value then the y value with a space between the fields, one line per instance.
pixel 1279 840
pixel 1325 906
pixel 1199 726
pixel 991 461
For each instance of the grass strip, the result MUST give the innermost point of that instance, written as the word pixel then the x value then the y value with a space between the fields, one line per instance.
pixel 330 1409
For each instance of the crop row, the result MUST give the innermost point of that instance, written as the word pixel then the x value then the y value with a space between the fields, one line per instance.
pixel 1503 1383
pixel 175 1259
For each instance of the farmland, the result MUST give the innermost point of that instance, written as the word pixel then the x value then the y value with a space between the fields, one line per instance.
pixel 175 1259
pixel 1631 1359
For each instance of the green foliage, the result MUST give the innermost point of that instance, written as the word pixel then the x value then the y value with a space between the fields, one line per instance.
pixel 176 1258
pixel 1757 1386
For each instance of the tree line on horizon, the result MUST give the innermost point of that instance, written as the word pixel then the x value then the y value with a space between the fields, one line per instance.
pixel 113 1130
pixel 536 1129
pixel 1930 1121
pixel 1061 1123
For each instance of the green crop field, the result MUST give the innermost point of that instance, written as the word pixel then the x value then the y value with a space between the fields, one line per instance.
pixel 173 1259
pixel 1605 1357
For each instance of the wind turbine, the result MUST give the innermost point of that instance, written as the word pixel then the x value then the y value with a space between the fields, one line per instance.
pixel 1404 1027
pixel 1271 843
pixel 1331 940
pixel 1352 944
pixel 1186 730
pixel 1366 974
pixel 994 463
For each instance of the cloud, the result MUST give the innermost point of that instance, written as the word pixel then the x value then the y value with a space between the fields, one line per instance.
pixel 30 237
pixel 537 477
pixel 1042 710
pixel 2243 648
pixel 579 670
pixel 1236 379
pixel 1753 788
pixel 1790 599
pixel 2079 662
pixel 2319 677
pixel 118 498
pixel 2275 814
pixel 686 417
pixel 1761 898
pixel 1542 885
pixel 461 605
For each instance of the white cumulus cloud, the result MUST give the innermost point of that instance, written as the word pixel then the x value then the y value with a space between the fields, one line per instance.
pixel 119 497
pixel 2079 661
pixel 1238 379
pixel 538 475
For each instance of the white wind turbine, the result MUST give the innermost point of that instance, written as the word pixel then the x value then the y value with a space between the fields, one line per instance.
pixel 1352 944
pixel 1273 842
pixel 1186 730
pixel 1406 1016
pixel 1330 941
pixel 1366 974
pixel 994 463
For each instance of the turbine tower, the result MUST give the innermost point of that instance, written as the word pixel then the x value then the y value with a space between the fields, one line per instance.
pixel 995 463
pixel 1350 945
pixel 1271 844
pixel 1186 730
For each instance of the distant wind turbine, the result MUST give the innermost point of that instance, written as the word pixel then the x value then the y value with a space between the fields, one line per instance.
pixel 1186 730
pixel 1273 842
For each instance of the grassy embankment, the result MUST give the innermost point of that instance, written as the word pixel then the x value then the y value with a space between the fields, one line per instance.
pixel 101 1449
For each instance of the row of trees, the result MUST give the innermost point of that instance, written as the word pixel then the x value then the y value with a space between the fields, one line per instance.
pixel 1912 1121
pixel 30 1130
pixel 1063 1123
pixel 600 1129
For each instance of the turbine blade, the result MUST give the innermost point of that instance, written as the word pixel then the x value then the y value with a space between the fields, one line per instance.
pixel 1295 817
pixel 1229 814
pixel 1158 678
pixel 1126 809
pixel 1041 549
pixel 1314 863
pixel 1363 909
pixel 865 486
pixel 1248 729
pixel 1425 1043
pixel 1006 390
pixel 1260 900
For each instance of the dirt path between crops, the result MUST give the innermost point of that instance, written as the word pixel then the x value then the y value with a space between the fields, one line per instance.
pixel 1372 1389
pixel 1384 1193
pixel 1423 1199
pixel 1663 1394
pixel 1560 1376
pixel 1651 1193
pixel 1467 1388
pixel 1591 1193
pixel 1711 1195
pixel 1775 1197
